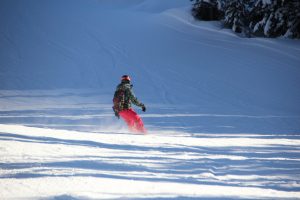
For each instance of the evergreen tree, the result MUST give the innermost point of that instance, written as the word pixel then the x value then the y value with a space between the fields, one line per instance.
pixel 292 13
pixel 207 10
pixel 267 18
pixel 275 18
pixel 236 15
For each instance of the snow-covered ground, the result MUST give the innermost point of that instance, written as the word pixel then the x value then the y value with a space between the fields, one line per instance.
pixel 222 111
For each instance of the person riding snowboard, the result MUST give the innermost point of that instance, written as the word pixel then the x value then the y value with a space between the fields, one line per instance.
pixel 123 98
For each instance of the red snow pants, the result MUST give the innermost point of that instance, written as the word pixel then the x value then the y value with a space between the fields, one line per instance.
pixel 134 122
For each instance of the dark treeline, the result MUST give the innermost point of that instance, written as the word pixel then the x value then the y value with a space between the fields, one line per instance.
pixel 266 18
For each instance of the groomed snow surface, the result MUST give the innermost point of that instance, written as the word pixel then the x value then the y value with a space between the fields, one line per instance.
pixel 223 113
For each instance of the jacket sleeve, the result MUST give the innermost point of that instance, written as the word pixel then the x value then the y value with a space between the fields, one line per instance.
pixel 133 99
pixel 115 103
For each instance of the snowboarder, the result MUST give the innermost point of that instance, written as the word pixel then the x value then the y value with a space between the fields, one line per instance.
pixel 123 98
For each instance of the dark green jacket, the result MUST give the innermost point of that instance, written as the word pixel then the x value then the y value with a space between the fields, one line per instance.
pixel 124 97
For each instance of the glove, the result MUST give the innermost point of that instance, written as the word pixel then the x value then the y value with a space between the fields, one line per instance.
pixel 116 112
pixel 117 115
pixel 143 108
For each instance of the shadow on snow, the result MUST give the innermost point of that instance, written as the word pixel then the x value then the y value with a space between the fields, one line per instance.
pixel 261 164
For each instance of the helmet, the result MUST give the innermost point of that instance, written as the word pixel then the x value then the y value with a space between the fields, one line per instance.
pixel 125 78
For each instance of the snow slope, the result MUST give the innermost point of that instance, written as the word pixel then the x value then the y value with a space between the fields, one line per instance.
pixel 222 111
pixel 58 164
